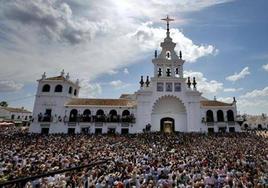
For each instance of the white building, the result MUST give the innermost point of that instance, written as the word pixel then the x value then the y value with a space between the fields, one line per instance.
pixel 165 102
pixel 19 116
pixel 255 122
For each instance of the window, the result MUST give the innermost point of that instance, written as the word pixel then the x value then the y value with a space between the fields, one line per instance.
pixel 176 72
pixel 169 87
pixel 160 86
pixel 230 115
pixel 25 118
pixel 100 112
pixel 159 72
pixel 168 55
pixel 58 88
pixel 73 115
pixel 220 117
pixel 75 92
pixel 13 116
pixel 168 72
pixel 125 113
pixel 87 115
pixel 18 117
pixel 70 90
pixel 177 87
pixel 209 116
pixel 46 88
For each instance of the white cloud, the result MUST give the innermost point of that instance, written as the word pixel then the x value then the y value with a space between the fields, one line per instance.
pixel 254 102
pixel 9 86
pixel 89 89
pixel 225 99
pixel 52 35
pixel 118 84
pixel 256 93
pixel 125 71
pixel 232 89
pixel 265 67
pixel 150 37
pixel 204 85
pixel 53 19
pixel 238 76
pixel 112 72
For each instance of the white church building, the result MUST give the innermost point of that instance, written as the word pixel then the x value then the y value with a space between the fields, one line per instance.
pixel 165 102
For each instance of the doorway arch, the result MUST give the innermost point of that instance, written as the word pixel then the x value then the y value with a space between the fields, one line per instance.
pixel 167 125
pixel 169 106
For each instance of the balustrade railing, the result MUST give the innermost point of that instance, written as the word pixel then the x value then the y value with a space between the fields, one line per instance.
pixel 102 118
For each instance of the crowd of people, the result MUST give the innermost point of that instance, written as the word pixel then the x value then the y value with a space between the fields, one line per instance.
pixel 139 160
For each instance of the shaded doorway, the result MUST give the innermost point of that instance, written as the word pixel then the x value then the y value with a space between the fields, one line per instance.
pixel 85 130
pixel 71 130
pixel 45 131
pixel 222 129
pixel 124 131
pixel 98 131
pixel 167 125
pixel 210 130
pixel 111 131
pixel 231 129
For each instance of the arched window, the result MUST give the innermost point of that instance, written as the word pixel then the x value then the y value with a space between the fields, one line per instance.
pixel 75 92
pixel 209 116
pixel 58 88
pixel 220 116
pixel 168 55
pixel 86 115
pixel 100 112
pixel 125 113
pixel 73 115
pixel 113 115
pixel 87 112
pixel 230 115
pixel 100 117
pixel 70 90
pixel 46 88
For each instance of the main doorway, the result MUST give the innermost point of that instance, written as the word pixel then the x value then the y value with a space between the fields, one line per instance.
pixel 167 125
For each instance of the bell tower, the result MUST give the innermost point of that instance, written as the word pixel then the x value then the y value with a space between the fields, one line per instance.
pixel 168 64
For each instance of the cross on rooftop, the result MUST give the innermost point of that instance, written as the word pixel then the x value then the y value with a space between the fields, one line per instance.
pixel 167 19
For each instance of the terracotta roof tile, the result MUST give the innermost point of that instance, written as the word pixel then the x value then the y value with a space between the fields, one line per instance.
pixel 101 102
pixel 214 103
pixel 17 110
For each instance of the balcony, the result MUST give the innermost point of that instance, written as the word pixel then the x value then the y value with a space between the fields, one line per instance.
pixel 101 119
pixel 221 123
pixel 128 119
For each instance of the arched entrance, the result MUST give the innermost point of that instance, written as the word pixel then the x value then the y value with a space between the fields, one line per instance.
pixel 171 111
pixel 167 125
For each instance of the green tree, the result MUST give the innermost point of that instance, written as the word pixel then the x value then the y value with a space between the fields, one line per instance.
pixel 4 103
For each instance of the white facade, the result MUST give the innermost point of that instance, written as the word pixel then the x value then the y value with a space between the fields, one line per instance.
pixel 255 122
pixel 165 102
pixel 18 116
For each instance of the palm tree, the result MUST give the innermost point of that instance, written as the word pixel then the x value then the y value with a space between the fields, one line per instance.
pixel 3 103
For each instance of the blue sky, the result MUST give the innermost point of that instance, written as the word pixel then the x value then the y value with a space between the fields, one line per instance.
pixel 108 45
